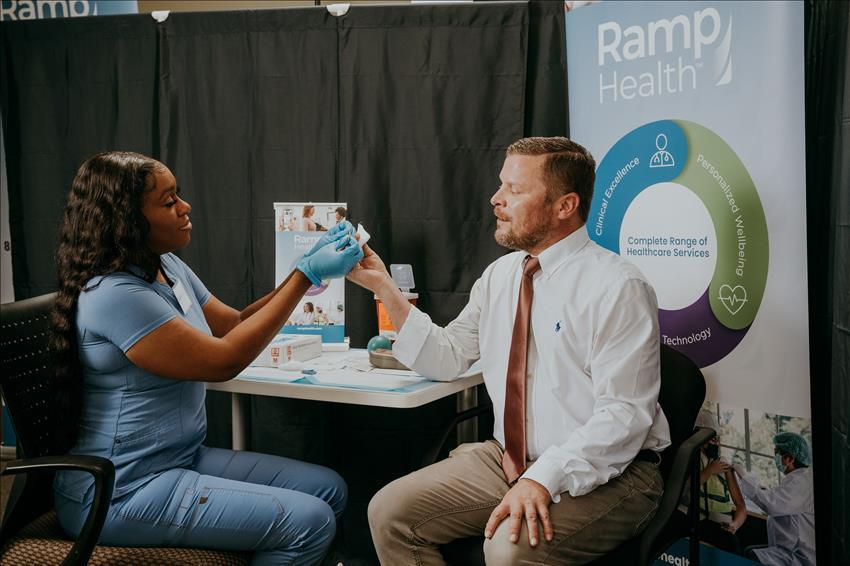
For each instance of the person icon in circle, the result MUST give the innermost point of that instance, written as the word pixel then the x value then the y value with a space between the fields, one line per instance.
pixel 662 157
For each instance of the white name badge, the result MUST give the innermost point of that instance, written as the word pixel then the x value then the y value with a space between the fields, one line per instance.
pixel 182 297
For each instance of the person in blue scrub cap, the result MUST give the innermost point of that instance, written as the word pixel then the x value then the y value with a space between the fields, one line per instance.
pixel 135 336
pixel 789 506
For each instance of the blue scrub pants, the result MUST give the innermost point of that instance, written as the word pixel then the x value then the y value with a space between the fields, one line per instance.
pixel 282 509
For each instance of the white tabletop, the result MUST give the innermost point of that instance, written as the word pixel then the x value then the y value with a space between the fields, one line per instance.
pixel 408 397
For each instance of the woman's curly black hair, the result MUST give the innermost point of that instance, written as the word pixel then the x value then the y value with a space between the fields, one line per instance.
pixel 104 230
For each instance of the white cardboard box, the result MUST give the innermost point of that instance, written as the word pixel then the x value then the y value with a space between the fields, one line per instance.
pixel 288 347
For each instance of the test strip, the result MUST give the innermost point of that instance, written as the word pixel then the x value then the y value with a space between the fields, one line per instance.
pixel 364 235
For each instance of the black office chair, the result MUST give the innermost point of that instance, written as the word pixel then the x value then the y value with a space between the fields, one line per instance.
pixel 30 532
pixel 682 394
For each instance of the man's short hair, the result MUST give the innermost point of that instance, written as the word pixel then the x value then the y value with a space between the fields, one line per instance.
pixel 569 167
pixel 341 211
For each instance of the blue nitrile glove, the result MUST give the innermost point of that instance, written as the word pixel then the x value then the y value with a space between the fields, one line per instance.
pixel 338 231
pixel 335 259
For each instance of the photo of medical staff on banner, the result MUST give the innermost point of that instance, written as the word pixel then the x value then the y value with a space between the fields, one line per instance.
pixel 700 184
pixel 299 225
pixel 756 493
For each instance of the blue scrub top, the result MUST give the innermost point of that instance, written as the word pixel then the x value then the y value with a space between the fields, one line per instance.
pixel 144 423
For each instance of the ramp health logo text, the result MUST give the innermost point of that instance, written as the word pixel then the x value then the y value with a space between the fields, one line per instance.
pixel 13 10
pixel 664 56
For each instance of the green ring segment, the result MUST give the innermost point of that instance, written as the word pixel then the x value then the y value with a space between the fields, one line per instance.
pixel 705 164
pixel 733 203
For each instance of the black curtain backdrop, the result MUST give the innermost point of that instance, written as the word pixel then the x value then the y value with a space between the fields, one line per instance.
pixel 69 88
pixel 247 116
pixel 828 221
pixel 404 112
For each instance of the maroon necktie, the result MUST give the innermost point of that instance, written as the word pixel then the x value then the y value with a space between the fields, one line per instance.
pixel 513 461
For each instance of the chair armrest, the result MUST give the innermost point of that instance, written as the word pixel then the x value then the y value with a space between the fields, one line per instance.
pixel 431 455
pixel 685 462
pixel 104 479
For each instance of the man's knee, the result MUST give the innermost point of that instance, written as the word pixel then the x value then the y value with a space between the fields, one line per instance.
pixel 499 550
pixel 389 508
pixel 383 507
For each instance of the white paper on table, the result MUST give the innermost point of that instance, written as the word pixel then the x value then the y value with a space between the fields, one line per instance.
pixel 366 367
pixel 363 365
pixel 397 372
pixel 358 364
pixel 365 379
pixel 270 374
pixel 323 364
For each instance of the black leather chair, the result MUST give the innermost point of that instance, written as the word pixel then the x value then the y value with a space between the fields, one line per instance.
pixel 682 394
pixel 30 530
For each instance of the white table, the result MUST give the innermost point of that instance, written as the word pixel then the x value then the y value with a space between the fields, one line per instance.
pixel 244 384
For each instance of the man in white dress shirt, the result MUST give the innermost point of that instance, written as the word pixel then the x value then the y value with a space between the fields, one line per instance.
pixel 566 331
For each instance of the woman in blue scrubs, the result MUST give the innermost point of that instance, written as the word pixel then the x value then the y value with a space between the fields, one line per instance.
pixel 136 335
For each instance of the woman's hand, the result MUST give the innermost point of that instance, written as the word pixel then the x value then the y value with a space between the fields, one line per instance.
pixel 337 232
pixel 717 467
pixel 335 259
pixel 371 272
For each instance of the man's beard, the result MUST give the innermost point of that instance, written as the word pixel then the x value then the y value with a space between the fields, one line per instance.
pixel 525 241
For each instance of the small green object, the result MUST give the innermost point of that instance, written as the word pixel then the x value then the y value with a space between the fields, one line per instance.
pixel 377 342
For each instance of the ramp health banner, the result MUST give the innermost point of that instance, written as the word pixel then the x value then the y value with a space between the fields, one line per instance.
pixel 694 112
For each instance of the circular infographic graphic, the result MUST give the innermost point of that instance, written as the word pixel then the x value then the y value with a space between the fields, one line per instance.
pixel 674 199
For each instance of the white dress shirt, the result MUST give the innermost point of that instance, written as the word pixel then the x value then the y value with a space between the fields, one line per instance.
pixel 790 509
pixel 593 360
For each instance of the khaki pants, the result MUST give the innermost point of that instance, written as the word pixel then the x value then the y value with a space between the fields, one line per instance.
pixel 452 499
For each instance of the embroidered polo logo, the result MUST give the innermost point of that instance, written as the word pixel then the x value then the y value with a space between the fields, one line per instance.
pixel 558 326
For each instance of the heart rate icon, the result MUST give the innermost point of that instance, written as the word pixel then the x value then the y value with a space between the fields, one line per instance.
pixel 733 298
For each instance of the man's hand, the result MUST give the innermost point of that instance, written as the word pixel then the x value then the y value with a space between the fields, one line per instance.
pixel 371 272
pixel 529 499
